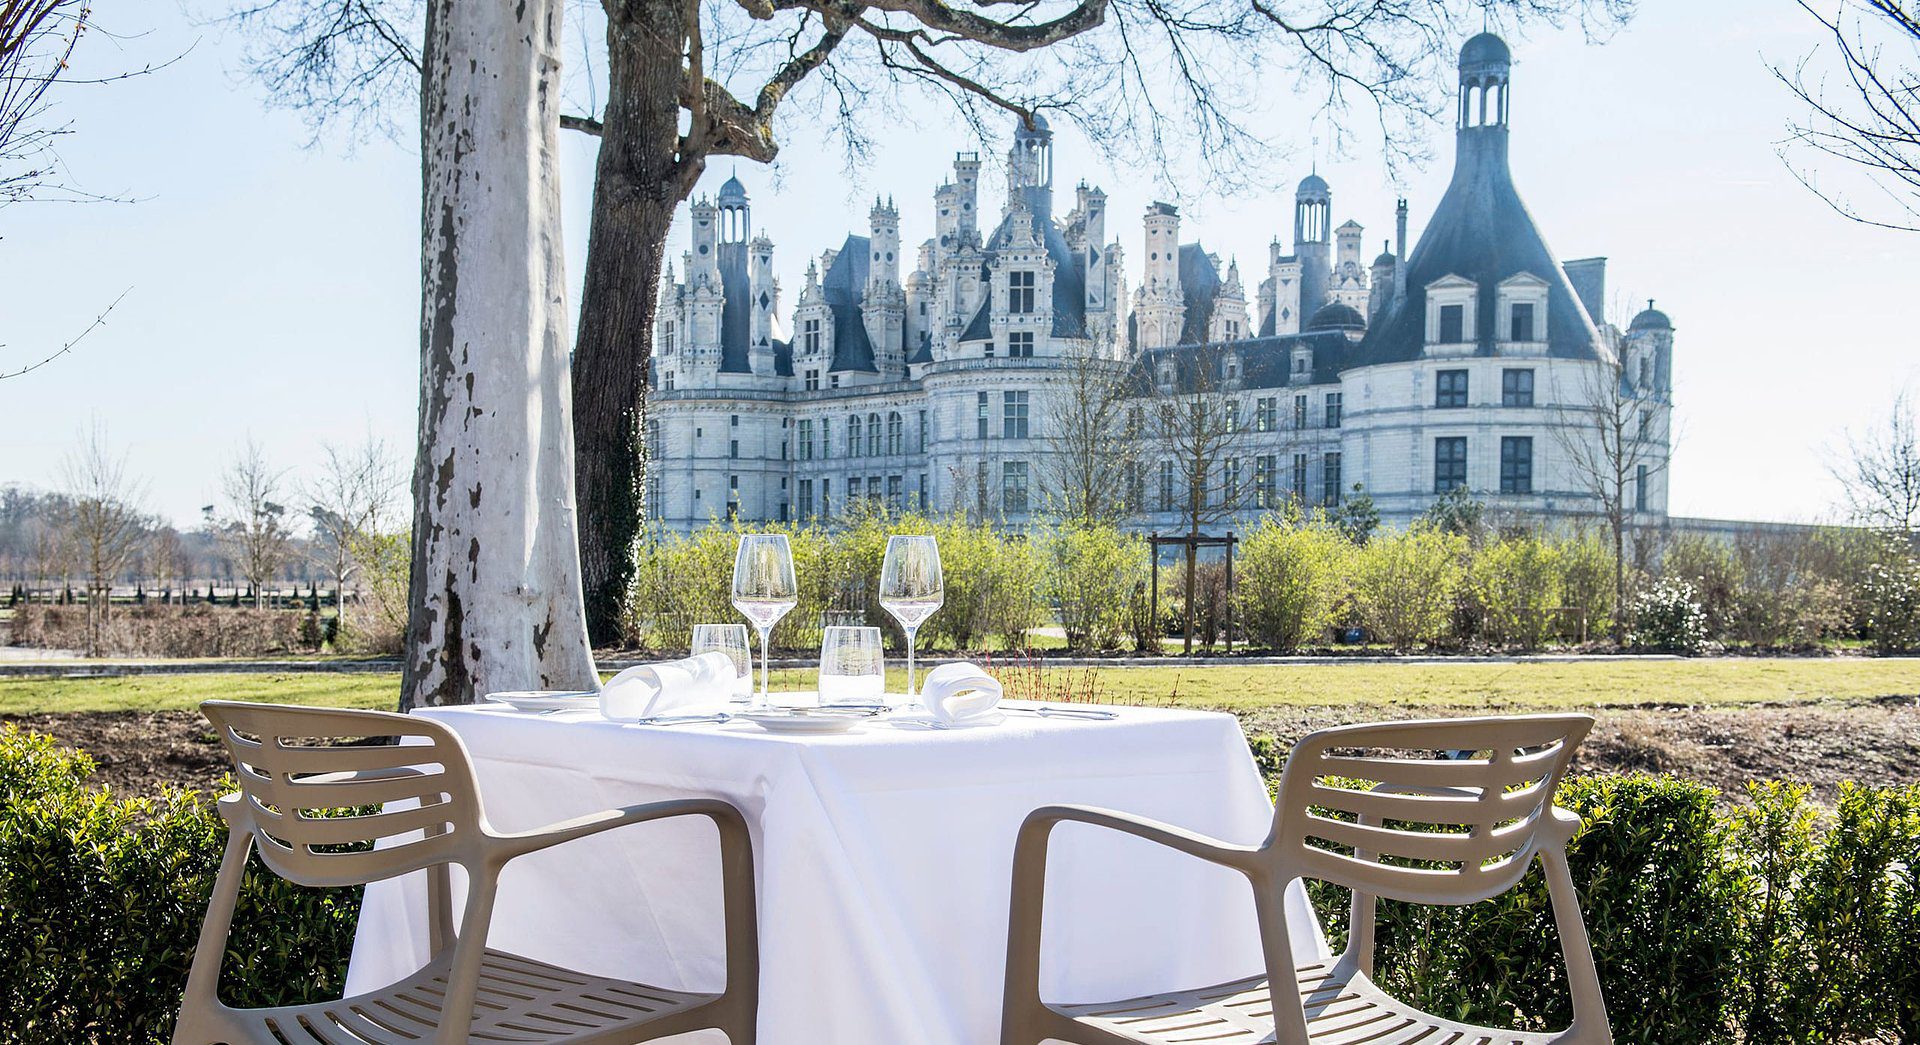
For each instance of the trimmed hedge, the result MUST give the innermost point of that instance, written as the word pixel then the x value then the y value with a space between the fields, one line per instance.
pixel 101 900
pixel 1709 924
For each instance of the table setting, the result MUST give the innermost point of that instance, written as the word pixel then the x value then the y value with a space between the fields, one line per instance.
pixel 883 827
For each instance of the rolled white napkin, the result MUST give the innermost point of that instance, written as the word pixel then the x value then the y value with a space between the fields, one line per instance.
pixel 959 691
pixel 646 690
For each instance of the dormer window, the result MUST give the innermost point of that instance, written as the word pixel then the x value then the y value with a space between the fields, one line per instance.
pixel 1020 292
pixel 666 339
pixel 811 335
pixel 1451 305
pixel 1522 310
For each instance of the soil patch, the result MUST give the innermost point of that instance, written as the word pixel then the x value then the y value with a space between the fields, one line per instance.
pixel 1820 744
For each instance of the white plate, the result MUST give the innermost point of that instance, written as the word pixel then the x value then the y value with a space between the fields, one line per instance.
pixel 807 720
pixel 546 700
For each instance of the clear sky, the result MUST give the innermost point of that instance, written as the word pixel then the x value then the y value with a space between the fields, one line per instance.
pixel 272 288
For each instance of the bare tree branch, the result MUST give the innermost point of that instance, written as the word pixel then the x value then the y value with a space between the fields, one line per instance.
pixel 98 321
pixel 1871 122
pixel 1880 470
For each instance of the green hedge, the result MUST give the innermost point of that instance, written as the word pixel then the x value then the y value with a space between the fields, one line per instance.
pixel 1768 922
pixel 101 900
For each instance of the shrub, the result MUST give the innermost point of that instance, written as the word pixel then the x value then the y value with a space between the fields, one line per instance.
pixel 1668 616
pixel 1586 585
pixel 1404 584
pixel 1091 572
pixel 1290 580
pixel 375 621
pixel 1891 594
pixel 164 631
pixel 101 901
pixel 1515 585
pixel 1715 574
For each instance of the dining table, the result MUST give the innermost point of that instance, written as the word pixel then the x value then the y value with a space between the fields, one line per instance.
pixel 883 862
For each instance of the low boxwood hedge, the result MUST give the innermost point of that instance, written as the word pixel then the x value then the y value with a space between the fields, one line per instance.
pixel 1766 921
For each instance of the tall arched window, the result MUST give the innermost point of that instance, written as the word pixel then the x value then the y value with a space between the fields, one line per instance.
pixel 853 435
pixel 873 435
pixel 896 432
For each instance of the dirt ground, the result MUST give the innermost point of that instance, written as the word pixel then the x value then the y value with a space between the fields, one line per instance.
pixel 1821 744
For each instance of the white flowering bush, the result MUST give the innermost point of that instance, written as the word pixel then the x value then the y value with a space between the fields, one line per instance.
pixel 1668 616
pixel 1892 595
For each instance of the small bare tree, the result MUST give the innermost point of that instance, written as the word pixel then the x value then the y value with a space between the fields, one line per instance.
pixel 1614 434
pixel 1880 470
pixel 1092 451
pixel 1197 427
pixel 353 497
pixel 255 526
pixel 1871 121
pixel 104 525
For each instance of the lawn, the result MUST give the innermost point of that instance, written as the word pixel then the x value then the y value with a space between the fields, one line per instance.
pixel 1525 685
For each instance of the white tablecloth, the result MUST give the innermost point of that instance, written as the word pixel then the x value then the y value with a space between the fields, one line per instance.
pixel 883 859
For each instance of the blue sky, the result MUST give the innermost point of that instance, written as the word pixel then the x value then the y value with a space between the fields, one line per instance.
pixel 272 287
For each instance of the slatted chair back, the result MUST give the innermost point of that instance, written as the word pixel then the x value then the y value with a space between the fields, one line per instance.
pixel 1439 812
pixel 316 787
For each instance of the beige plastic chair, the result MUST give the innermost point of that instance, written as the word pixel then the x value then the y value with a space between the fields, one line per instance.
pixel 1486 817
pixel 290 779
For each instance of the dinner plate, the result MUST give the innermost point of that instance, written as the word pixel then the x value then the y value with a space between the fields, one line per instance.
pixel 802 720
pixel 546 700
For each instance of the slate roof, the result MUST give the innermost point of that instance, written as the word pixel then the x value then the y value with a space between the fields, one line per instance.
pixel 1198 284
pixel 844 286
pixel 1482 232
pixel 1651 318
pixel 1265 362
pixel 736 310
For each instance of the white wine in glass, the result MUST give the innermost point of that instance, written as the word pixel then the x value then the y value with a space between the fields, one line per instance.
pixel 764 589
pixel 911 589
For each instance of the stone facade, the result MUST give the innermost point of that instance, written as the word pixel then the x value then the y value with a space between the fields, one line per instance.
pixel 1476 360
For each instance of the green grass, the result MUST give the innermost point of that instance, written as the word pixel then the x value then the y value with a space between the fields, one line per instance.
pixel 1533 685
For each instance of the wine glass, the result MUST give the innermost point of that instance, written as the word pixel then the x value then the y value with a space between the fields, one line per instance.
pixel 911 588
pixel 732 640
pixel 764 589
pixel 852 667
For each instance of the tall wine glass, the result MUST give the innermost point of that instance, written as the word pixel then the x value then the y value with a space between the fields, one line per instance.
pixel 764 589
pixel 911 588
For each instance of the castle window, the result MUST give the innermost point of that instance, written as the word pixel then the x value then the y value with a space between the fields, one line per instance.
pixel 896 430
pixel 826 497
pixel 894 483
pixel 1300 411
pixel 873 435
pixel 1233 415
pixel 811 337
pixel 1516 464
pixel 853 435
pixel 1452 324
pixel 989 350
pixel 1646 370
pixel 1640 488
pixel 1300 478
pixel 873 488
pixel 1013 486
pixel 806 498
pixel 1166 486
pixel 813 380
pixel 669 380
pixel 1266 414
pixel 1521 327
pixel 1233 329
pixel 666 339
pixel 1516 388
pixel 1232 485
pixel 806 440
pixel 921 501
pixel 1020 344
pixel 833 380
pixel 1334 400
pixel 1449 463
pixel 980 416
pixel 923 432
pixel 1013 415
pixel 733 448
pixel 1330 478
pixel 826 438
pixel 1264 482
pixel 1020 292
pixel 1450 388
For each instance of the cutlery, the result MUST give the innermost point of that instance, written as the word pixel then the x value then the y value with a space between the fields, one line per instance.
pixel 1053 712
pixel 681 720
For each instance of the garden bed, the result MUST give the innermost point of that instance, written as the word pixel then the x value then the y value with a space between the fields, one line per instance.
pixel 1872 741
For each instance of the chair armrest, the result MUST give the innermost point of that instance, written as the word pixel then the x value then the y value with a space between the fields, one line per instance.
pixel 519 843
pixel 1212 850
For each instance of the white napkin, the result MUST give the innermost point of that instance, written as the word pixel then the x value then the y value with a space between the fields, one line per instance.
pixel 959 691
pixel 645 690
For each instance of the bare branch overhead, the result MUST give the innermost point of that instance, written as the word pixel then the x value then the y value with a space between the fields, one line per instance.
pixel 1869 121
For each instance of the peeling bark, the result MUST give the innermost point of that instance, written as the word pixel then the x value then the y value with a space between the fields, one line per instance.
pixel 495 599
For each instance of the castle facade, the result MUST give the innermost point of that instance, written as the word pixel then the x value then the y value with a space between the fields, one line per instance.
pixel 1478 360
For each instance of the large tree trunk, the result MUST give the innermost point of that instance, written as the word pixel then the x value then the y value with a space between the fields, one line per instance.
pixel 637 185
pixel 494 600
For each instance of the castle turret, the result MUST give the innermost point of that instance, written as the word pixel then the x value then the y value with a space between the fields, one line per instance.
pixel 764 303
pixel 885 309
pixel 1030 168
pixel 1312 225
pixel 1280 292
pixel 1383 278
pixel 1092 205
pixel 1159 309
pixel 1229 319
